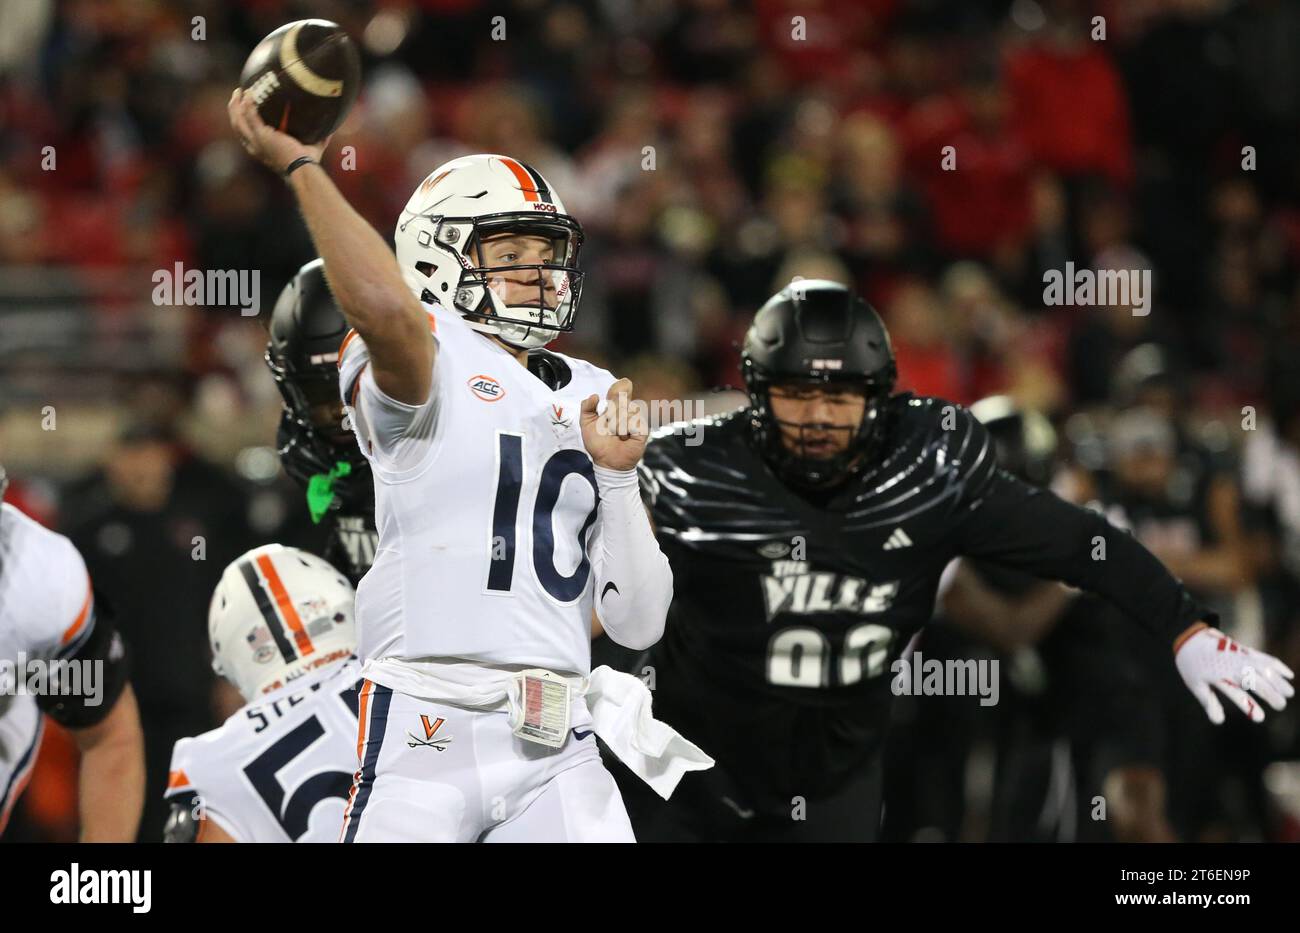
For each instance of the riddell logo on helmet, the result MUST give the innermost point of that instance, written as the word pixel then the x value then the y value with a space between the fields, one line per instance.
pixel 486 388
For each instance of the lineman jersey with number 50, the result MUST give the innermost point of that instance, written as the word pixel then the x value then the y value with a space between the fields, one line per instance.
pixel 280 768
pixel 485 499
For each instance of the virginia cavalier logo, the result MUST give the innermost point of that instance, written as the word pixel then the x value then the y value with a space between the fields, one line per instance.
pixel 487 388
pixel 430 730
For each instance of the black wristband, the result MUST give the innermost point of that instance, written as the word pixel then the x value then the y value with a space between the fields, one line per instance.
pixel 298 163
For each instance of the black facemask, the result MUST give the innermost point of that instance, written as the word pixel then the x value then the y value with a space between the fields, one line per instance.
pixel 801 463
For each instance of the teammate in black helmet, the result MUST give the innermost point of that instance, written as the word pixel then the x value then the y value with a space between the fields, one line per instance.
pixel 807 533
pixel 316 447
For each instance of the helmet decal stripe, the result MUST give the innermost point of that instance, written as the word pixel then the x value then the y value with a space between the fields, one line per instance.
pixel 268 611
pixel 526 183
pixel 539 183
pixel 285 605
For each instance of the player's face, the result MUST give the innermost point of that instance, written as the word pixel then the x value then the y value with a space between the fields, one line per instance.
pixel 519 287
pixel 817 422
pixel 325 409
pixel 328 418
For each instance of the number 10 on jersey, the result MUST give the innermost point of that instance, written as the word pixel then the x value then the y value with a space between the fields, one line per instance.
pixel 505 519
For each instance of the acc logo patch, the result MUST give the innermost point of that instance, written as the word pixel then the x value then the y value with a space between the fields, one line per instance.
pixel 774 549
pixel 487 388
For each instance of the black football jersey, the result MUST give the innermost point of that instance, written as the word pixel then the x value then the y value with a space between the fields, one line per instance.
pixel 350 517
pixel 789 612
pixel 352 541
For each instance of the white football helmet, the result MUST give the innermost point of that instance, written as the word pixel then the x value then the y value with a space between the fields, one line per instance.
pixel 446 220
pixel 278 613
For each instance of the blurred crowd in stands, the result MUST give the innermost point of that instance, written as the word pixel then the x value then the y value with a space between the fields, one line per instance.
pixel 713 150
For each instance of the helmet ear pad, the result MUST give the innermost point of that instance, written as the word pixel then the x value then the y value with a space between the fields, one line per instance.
pixel 437 273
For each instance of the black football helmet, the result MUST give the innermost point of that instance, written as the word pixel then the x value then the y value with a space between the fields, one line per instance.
pixel 1024 439
pixel 306 330
pixel 815 332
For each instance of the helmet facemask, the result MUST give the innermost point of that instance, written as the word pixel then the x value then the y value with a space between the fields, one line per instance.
pixel 525 304
pixel 815 454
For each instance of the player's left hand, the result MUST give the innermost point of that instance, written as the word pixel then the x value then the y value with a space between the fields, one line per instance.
pixel 1209 660
pixel 615 439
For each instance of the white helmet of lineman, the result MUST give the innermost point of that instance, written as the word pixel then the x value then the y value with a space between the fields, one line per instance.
pixel 278 613
pixel 441 230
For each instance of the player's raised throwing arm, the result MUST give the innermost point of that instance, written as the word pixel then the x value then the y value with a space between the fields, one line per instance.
pixel 361 269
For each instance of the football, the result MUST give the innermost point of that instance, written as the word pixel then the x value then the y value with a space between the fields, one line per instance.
pixel 304 78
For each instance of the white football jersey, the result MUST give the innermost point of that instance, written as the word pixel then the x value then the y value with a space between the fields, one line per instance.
pixel 485 498
pixel 280 769
pixel 46 612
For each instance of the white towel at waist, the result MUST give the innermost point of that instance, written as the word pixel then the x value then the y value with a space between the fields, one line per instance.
pixel 620 707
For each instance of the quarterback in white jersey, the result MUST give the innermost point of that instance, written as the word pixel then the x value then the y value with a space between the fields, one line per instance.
pixel 280 768
pixel 60 655
pixel 508 511
pixel 491 478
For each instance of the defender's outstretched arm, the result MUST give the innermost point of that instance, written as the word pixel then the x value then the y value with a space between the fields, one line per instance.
pixel 1032 529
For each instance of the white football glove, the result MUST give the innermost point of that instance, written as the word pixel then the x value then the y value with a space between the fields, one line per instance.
pixel 1208 658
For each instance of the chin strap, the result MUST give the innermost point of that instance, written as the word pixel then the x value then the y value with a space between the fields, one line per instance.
pixel 504 323
pixel 320 490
